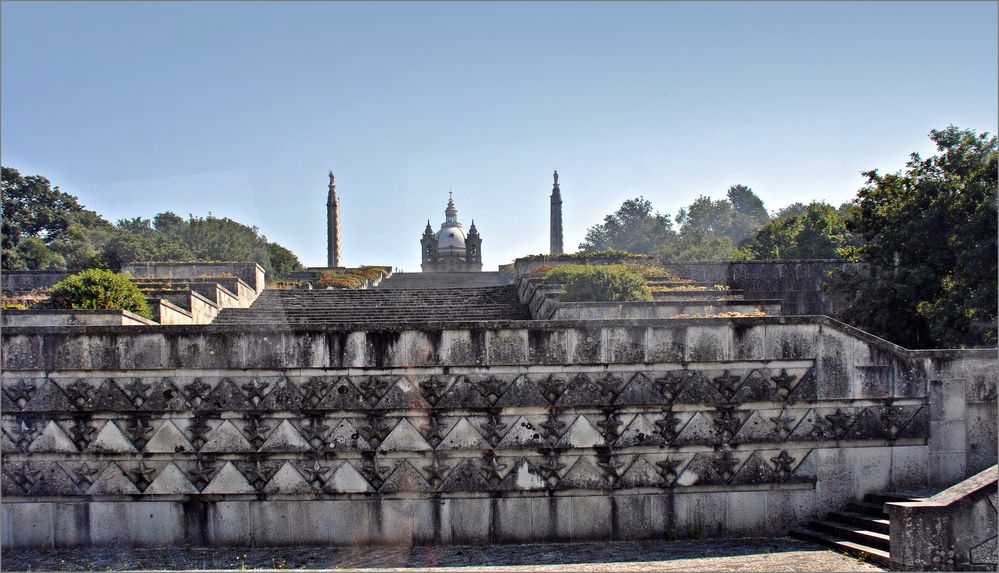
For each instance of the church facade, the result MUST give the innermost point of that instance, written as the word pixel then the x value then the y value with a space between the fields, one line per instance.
pixel 451 249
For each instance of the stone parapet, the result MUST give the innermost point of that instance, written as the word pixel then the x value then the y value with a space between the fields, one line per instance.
pixel 954 530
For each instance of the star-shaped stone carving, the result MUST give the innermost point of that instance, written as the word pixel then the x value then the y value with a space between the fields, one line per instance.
pixel 372 389
pixel 493 428
pixel 78 392
pixel 491 468
pixel 85 475
pixel 610 469
pixel 552 387
pixel 26 476
pixel 611 386
pixel 609 425
pixel 892 422
pixel 199 432
pixel 550 467
pixel 727 384
pixel 24 434
pixel 433 389
pixel 256 431
pixel 141 475
pixel 136 391
pixel 435 429
pixel 725 463
pixel 137 430
pixel 255 390
pixel 197 391
pixel 316 474
pixel 201 475
pixel 552 428
pixel 315 432
pixel 491 389
pixel 81 432
pixel 782 464
pixel 257 476
pixel 727 422
pixel 840 422
pixel 667 469
pixel 782 424
pixel 669 386
pixel 315 389
pixel 783 383
pixel 21 392
pixel 374 472
pixel 667 425
pixel 372 431
pixel 436 470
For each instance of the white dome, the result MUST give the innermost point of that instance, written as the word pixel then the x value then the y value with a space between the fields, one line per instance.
pixel 451 239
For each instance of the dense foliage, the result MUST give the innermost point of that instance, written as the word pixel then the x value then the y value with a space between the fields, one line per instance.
pixel 813 231
pixel 46 229
pixel 99 289
pixel 929 240
pixel 599 283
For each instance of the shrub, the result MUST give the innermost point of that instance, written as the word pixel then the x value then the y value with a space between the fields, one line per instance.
pixel 99 289
pixel 13 306
pixel 599 283
pixel 334 279
pixel 612 254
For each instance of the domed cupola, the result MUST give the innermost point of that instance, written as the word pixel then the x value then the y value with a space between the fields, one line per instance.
pixel 446 250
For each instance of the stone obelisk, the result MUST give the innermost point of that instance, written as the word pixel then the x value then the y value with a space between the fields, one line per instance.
pixel 556 220
pixel 334 248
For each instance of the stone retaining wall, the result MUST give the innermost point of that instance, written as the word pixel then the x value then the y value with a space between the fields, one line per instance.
pixel 469 433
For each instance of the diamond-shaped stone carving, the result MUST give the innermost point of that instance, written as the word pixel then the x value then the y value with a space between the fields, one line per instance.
pixel 287 480
pixel 346 479
pixel 112 481
pixel 581 434
pixel 463 436
pixel 405 478
pixel 49 398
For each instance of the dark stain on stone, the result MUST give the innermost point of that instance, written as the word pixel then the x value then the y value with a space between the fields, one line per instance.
pixel 495 522
pixel 380 343
pixel 477 341
pixel 434 338
pixel 196 522
pixel 613 517
pixel 337 343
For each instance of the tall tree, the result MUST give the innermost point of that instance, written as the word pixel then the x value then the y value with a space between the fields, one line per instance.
pixel 929 235
pixel 815 231
pixel 635 228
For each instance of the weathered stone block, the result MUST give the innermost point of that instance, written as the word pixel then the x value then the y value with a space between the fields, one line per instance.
pixel 871 470
pixel 27 524
pixel 591 518
pixel 153 524
pixel 229 523
pixel 470 520
pixel 512 520
pixel 790 341
pixel 747 513
pixel 908 468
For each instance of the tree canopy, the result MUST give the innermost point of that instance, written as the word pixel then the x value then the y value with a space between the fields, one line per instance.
pixel 634 228
pixel 44 228
pixel 929 239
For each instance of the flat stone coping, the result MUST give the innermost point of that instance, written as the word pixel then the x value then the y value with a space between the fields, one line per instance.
pixel 984 481
pixel 742 554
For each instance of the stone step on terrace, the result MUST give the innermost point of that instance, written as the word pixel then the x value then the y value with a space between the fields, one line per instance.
pixel 860 529
pixel 444 280
pixel 314 307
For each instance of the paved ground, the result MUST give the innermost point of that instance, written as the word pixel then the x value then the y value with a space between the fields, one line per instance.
pixel 747 554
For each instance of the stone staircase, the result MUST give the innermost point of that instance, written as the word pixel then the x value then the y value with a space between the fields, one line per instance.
pixel 379 306
pixel 444 280
pixel 193 301
pixel 860 529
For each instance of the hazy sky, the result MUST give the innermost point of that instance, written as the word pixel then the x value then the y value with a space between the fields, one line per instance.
pixel 240 109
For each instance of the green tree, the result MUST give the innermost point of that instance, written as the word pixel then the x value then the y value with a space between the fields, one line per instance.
pixel 99 289
pixel 635 228
pixel 813 231
pixel 737 217
pixel 582 283
pixel 282 260
pixel 929 239
pixel 696 245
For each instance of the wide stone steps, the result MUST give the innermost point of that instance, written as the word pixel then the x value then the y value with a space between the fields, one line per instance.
pixel 374 306
pixel 861 529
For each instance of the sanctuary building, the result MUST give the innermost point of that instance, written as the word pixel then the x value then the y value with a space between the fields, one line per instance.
pixel 450 249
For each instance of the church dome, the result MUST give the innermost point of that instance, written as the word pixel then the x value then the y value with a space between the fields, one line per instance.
pixel 451 239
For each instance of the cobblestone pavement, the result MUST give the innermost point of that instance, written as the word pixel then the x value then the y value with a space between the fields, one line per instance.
pixel 746 554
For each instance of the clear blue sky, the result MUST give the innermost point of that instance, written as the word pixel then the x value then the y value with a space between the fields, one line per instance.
pixel 241 108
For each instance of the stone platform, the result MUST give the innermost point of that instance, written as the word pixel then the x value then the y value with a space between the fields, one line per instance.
pixel 745 554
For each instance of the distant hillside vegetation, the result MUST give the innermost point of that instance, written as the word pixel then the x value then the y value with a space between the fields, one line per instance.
pixel 46 229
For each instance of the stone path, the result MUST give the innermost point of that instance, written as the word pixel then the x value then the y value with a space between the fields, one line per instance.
pixel 746 554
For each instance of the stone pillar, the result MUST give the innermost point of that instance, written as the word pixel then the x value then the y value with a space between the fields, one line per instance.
pixel 334 252
pixel 556 219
